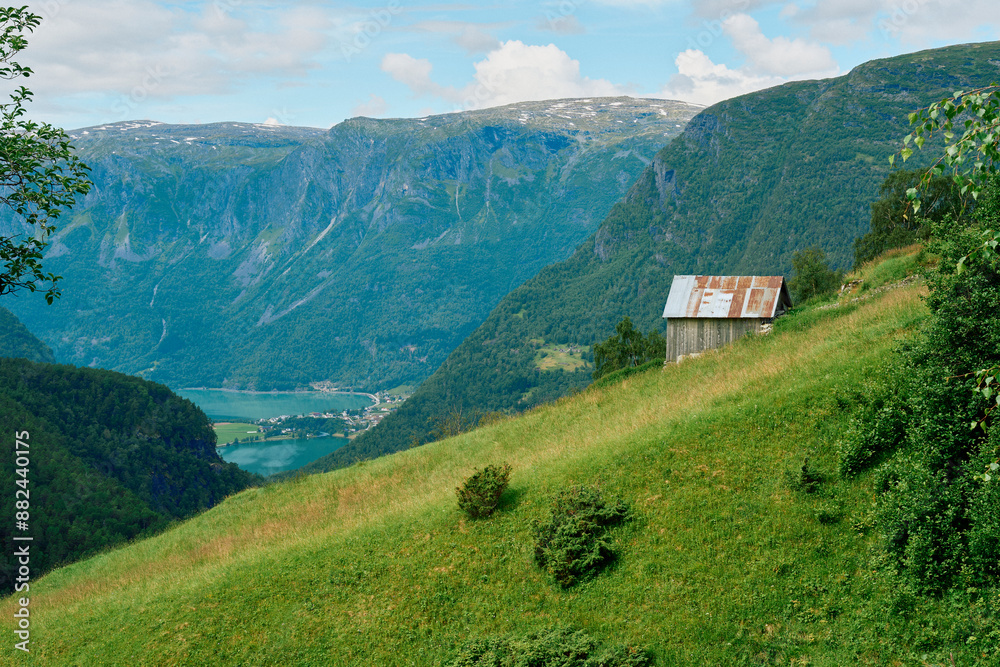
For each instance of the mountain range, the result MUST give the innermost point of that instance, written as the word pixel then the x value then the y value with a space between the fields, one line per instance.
pixel 269 257
pixel 749 182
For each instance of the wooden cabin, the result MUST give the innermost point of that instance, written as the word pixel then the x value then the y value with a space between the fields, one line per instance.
pixel 706 312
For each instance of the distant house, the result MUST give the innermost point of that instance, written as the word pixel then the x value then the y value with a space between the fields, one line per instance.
pixel 706 312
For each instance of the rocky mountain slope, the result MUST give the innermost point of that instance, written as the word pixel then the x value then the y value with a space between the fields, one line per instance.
pixel 749 182
pixel 263 257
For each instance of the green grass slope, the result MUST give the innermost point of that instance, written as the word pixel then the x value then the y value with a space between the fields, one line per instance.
pixel 725 563
pixel 750 181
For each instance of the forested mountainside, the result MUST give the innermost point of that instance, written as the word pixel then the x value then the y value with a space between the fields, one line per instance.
pixel 749 182
pixel 253 256
pixel 106 458
pixel 16 341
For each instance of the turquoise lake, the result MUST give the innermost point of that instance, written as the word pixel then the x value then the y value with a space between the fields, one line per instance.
pixel 222 405
pixel 270 457
pixel 267 458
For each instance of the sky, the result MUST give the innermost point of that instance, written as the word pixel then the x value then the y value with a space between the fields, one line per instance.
pixel 314 64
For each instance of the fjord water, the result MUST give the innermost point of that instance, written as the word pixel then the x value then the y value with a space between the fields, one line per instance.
pixel 222 405
pixel 267 458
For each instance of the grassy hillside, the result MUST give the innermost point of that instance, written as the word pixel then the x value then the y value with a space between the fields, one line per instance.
pixel 750 181
pixel 725 562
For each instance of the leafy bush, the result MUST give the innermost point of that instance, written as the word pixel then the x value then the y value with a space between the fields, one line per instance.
pixel 627 348
pixel 879 427
pixel 813 276
pixel 894 223
pixel 553 647
pixel 480 494
pixel 571 544
pixel 984 510
pixel 805 479
pixel 936 511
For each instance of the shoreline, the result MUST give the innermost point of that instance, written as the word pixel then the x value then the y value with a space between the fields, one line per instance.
pixel 276 392
pixel 266 441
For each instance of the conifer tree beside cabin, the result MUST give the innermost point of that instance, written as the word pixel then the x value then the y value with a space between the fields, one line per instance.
pixel 706 312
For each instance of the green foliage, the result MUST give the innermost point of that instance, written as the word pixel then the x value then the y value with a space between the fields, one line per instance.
pixel 812 275
pixel 112 457
pixel 971 157
pixel 479 495
pixel 894 222
pixel 937 507
pixel 552 647
pixel 879 426
pixel 40 176
pixel 17 341
pixel 571 545
pixel 627 348
pixel 806 479
pixel 934 508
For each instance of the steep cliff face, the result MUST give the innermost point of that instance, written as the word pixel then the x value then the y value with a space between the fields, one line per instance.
pixel 254 256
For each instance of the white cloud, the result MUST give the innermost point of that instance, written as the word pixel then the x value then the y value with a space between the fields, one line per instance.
pixel 140 50
pixel 375 107
pixel 415 73
pixel 723 9
pixel 915 23
pixel 701 81
pixel 561 25
pixel 780 56
pixel 515 72
pixel 769 62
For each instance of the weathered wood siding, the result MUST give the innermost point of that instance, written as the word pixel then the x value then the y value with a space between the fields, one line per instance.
pixel 690 335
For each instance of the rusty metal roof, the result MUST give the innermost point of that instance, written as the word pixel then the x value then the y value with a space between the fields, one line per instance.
pixel 727 297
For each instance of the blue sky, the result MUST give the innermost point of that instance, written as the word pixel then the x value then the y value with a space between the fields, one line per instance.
pixel 317 63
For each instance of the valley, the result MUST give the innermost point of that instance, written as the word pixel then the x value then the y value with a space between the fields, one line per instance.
pixel 269 257
pixel 333 396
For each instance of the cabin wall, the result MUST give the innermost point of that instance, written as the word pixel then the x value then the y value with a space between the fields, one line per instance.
pixel 690 335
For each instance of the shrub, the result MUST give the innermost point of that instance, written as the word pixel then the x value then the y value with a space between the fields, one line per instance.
pixel 805 479
pixel 813 275
pixel 571 545
pixel 878 428
pixel 626 349
pixel 552 647
pixel 480 494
